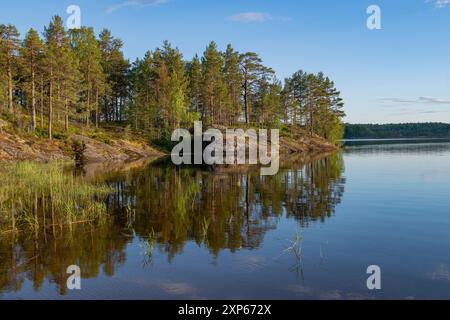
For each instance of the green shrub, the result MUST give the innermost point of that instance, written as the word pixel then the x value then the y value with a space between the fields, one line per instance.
pixel 59 136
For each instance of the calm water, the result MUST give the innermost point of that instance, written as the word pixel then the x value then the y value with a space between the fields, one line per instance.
pixel 184 233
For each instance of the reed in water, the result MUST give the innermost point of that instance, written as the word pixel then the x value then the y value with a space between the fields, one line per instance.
pixel 40 195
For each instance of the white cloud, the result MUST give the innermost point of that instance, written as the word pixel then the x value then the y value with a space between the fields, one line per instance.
pixel 251 17
pixel 248 17
pixel 135 3
pixel 433 100
pixel 396 100
pixel 418 100
pixel 420 105
pixel 439 3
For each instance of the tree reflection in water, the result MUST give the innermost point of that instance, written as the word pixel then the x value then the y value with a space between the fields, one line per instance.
pixel 166 207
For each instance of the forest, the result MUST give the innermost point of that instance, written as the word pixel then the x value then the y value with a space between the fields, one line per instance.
pixel 58 79
pixel 405 130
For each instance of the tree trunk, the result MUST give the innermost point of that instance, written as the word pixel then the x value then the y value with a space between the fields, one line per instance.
pixel 96 108
pixel 33 98
pixel 88 106
pixel 120 109
pixel 88 83
pixel 10 89
pixel 58 100
pixel 50 105
pixel 42 101
pixel 246 104
pixel 117 109
pixel 66 116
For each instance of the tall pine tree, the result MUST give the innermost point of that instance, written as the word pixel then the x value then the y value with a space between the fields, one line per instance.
pixel 31 56
pixel 8 54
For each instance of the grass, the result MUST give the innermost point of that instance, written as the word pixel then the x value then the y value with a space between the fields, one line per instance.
pixel 20 123
pixel 296 247
pixel 42 196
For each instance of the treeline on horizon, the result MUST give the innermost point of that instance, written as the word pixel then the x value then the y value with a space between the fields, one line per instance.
pixel 75 76
pixel 404 130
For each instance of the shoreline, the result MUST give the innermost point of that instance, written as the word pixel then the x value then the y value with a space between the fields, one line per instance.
pixel 15 148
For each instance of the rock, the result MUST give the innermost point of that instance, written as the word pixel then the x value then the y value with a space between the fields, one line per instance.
pixel 15 148
pixel 117 150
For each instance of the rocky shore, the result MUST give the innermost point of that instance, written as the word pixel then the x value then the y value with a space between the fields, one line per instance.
pixel 31 148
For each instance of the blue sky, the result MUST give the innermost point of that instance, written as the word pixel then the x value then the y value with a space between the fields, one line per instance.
pixel 400 73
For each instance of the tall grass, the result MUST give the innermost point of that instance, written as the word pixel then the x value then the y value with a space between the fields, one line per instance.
pixel 296 249
pixel 44 196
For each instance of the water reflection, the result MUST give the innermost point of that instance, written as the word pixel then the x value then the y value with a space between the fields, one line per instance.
pixel 225 210
pixel 40 257
pixel 165 208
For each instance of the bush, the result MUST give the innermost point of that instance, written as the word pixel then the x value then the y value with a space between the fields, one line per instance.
pixel 59 136
pixel 8 116
pixel 41 133
pixel 164 143
pixel 78 148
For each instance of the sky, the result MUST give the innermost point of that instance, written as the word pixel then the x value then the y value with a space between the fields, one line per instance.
pixel 399 73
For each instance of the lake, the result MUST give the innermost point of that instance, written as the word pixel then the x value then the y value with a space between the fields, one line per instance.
pixel 309 232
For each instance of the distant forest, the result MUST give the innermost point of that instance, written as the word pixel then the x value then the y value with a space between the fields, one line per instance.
pixel 406 130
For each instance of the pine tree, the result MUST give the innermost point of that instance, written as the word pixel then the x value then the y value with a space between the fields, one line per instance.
pixel 70 84
pixel 330 124
pixel 61 67
pixel 195 84
pixel 143 84
pixel 100 87
pixel 54 35
pixel 214 87
pixel 31 56
pixel 288 102
pixel 87 51
pixel 298 85
pixel 105 42
pixel 252 71
pixel 268 103
pixel 162 91
pixel 115 68
pixel 177 86
pixel 8 53
pixel 233 79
